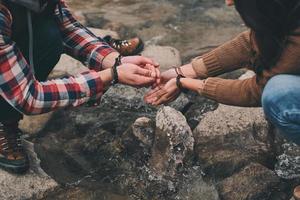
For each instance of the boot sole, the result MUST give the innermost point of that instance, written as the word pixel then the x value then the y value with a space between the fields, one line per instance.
pixel 21 169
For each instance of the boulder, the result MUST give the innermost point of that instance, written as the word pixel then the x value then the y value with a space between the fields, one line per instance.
pixel 232 137
pixel 122 97
pixel 35 184
pixel 173 143
pixel 254 182
pixel 166 56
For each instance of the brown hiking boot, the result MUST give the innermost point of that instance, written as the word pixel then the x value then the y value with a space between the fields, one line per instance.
pixel 13 157
pixel 129 47
pixel 297 193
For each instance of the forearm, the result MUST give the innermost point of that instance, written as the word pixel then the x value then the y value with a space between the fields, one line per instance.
pixel 195 85
pixel 109 60
pixel 187 71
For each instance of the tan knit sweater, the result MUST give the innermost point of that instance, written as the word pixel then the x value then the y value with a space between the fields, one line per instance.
pixel 236 54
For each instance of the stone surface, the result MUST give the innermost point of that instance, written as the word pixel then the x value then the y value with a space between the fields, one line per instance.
pixel 288 165
pixel 131 99
pixel 34 124
pixel 166 56
pixel 192 27
pixel 34 184
pixel 230 138
pixel 173 144
pixel 254 182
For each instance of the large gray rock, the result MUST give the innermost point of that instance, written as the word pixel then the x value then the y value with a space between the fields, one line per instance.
pixel 34 184
pixel 166 56
pixel 230 138
pixel 122 97
pixel 254 182
pixel 173 143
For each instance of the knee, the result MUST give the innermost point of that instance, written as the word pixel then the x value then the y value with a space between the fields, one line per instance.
pixel 279 99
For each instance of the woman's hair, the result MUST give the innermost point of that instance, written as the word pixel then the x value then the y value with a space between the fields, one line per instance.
pixel 271 21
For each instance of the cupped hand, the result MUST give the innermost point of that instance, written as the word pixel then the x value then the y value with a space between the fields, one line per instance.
pixel 163 94
pixel 139 60
pixel 134 75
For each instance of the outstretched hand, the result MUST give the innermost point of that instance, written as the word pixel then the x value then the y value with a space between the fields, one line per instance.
pixel 163 94
pixel 137 76
pixel 139 60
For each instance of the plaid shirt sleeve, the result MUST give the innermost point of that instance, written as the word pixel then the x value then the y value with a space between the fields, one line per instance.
pixel 21 90
pixel 79 42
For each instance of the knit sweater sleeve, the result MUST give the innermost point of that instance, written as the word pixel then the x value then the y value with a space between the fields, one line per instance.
pixel 248 92
pixel 230 56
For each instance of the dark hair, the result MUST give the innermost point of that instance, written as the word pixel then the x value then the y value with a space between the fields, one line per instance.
pixel 271 21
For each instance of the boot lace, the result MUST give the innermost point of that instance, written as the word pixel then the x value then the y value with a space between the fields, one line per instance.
pixel 10 139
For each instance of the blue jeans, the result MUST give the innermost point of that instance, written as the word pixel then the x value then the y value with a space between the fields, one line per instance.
pixel 281 104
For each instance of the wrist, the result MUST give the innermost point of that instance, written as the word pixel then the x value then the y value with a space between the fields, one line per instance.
pixel 106 76
pixel 109 60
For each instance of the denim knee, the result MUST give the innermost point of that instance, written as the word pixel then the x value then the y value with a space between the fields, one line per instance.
pixel 281 104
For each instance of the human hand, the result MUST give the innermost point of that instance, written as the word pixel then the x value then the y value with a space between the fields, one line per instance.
pixel 134 75
pixel 163 94
pixel 139 60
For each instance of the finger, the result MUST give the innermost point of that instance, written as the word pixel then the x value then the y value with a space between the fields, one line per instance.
pixel 155 97
pixel 160 101
pixel 145 60
pixel 145 72
pixel 157 76
pixel 153 91
pixel 143 81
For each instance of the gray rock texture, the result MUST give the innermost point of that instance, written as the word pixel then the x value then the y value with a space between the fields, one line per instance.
pixel 288 165
pixel 34 184
pixel 232 137
pixel 173 144
pixel 248 184
pixel 166 56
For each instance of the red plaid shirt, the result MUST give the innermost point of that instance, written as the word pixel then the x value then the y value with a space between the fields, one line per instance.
pixel 19 87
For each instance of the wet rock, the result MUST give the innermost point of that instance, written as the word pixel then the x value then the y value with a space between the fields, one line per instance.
pixel 232 137
pixel 138 140
pixel 195 188
pixel 121 97
pixel 34 184
pixel 254 182
pixel 166 56
pixel 173 143
pixel 288 165
pixel 197 107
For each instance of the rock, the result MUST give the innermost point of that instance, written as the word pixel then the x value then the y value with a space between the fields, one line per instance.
pixel 34 184
pixel 166 56
pixel 232 137
pixel 254 182
pixel 34 124
pixel 288 165
pixel 195 188
pixel 197 107
pixel 122 97
pixel 173 143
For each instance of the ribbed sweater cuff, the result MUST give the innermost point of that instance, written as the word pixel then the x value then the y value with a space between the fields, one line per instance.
pixel 210 88
pixel 212 65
